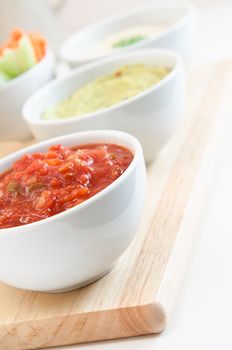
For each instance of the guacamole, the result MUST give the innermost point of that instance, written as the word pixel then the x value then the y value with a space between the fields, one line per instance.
pixel 126 82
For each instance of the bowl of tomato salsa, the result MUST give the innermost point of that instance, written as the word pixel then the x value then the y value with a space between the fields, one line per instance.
pixel 69 208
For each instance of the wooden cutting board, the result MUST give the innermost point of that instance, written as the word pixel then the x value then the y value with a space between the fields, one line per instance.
pixel 137 297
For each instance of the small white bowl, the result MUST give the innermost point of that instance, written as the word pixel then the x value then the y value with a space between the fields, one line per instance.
pixel 14 94
pixel 78 246
pixel 152 116
pixel 179 35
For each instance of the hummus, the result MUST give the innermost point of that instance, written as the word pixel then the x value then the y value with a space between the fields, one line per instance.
pixel 104 92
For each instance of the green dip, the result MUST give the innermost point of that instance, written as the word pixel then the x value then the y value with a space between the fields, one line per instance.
pixel 126 82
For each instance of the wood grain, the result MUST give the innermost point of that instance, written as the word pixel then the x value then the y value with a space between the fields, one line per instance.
pixel 137 296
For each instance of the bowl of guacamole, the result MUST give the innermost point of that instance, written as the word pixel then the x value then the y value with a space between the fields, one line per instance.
pixel 125 82
pixel 139 92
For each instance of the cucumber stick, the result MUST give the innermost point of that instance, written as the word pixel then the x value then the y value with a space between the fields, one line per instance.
pixel 16 61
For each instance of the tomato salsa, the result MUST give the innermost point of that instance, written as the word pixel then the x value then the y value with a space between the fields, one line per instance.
pixel 41 185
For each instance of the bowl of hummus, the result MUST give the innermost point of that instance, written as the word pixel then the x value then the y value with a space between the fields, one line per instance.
pixel 168 26
pixel 139 92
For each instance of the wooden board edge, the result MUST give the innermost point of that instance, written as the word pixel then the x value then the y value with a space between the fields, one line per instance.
pixel 86 327
pixel 199 200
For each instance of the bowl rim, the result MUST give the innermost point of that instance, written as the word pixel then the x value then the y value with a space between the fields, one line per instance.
pixel 56 83
pixel 19 79
pixel 110 134
pixel 188 6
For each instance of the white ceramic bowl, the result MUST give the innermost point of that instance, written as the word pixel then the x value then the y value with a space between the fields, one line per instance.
pixel 80 245
pixel 15 93
pixel 151 116
pixel 179 35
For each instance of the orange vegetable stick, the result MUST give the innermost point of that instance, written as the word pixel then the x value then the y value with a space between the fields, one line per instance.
pixel 13 40
pixel 39 44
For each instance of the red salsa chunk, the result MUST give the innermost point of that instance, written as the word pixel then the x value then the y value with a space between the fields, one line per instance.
pixel 41 185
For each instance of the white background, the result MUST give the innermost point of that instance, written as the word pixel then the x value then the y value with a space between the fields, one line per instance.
pixel 203 311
